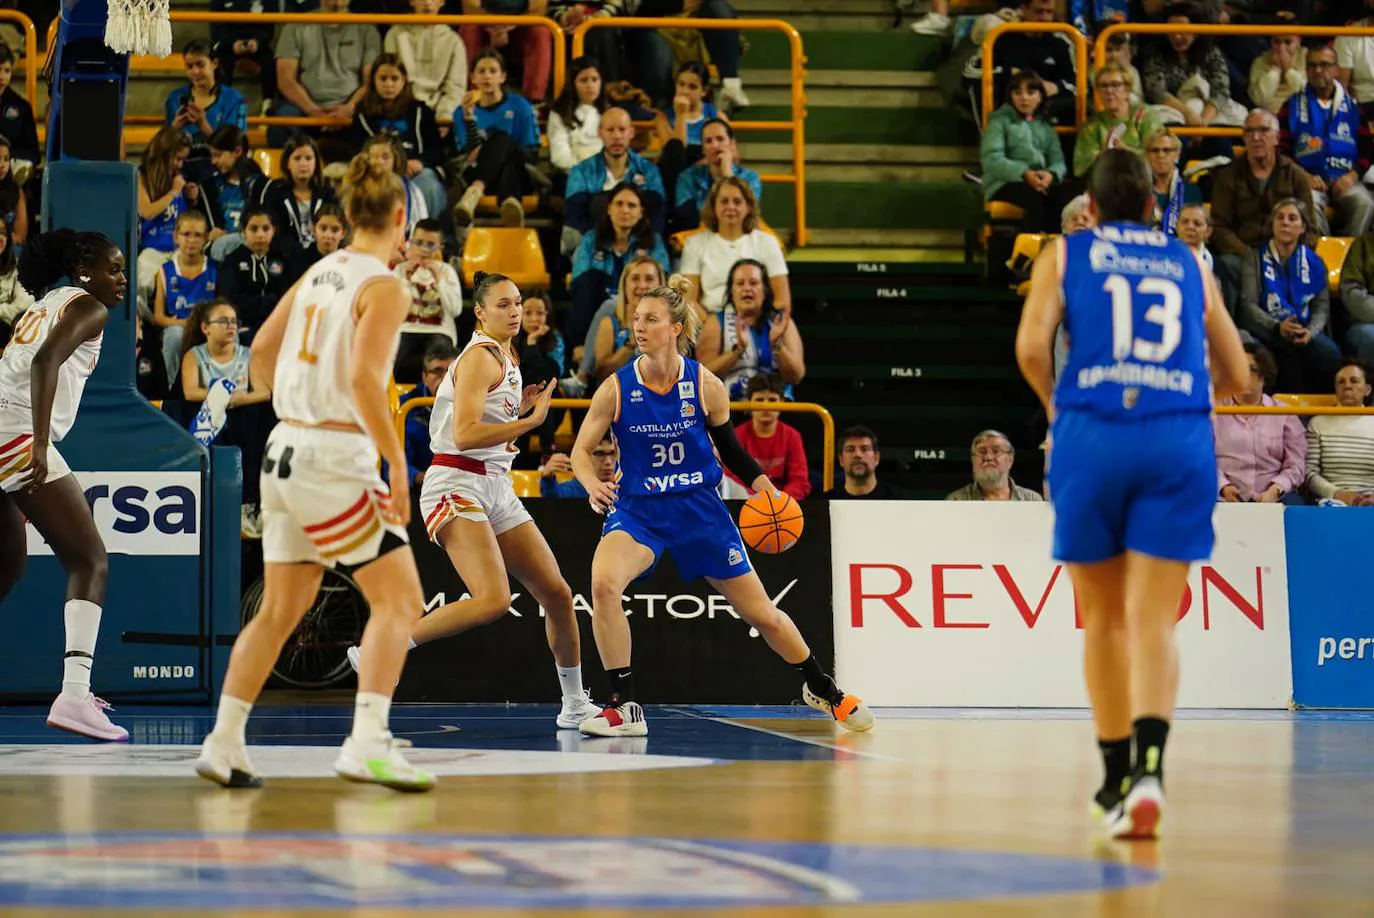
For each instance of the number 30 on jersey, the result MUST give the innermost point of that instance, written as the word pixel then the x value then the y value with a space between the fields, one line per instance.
pixel 672 454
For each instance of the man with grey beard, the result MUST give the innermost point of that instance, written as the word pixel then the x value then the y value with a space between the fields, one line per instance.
pixel 992 459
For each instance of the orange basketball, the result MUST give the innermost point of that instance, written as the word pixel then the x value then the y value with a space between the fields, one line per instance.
pixel 770 523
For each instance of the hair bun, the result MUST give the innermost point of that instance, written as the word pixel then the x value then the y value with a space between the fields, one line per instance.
pixel 680 285
pixel 478 277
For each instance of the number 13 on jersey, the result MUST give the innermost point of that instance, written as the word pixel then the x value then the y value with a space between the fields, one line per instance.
pixel 1166 313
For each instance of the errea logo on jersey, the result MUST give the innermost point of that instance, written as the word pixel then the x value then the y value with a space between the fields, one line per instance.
pixel 676 480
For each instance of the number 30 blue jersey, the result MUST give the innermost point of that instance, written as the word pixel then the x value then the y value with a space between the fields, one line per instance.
pixel 664 446
pixel 1134 306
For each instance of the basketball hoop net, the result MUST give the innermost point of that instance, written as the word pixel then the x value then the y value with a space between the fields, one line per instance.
pixel 139 27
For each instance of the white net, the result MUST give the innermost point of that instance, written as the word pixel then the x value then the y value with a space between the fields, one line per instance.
pixel 139 27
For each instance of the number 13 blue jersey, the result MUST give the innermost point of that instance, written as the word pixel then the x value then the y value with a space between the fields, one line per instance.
pixel 1134 306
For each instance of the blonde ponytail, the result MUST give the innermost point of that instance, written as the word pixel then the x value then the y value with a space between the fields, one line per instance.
pixel 682 308
pixel 371 194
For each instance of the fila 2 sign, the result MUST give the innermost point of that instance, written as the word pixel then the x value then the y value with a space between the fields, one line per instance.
pixel 960 604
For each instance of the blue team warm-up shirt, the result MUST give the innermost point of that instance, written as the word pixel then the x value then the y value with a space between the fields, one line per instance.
pixel 183 293
pixel 668 474
pixel 1132 462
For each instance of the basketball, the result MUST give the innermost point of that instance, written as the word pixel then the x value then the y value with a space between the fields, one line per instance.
pixel 770 523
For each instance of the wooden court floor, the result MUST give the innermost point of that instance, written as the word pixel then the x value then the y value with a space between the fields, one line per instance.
pixel 721 812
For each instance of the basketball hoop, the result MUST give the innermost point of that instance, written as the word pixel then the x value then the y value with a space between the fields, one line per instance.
pixel 139 27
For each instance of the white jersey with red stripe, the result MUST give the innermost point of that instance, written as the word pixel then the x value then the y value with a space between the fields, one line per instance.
pixel 311 385
pixel 502 407
pixel 29 333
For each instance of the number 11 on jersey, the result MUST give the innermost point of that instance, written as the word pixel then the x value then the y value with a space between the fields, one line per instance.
pixel 312 325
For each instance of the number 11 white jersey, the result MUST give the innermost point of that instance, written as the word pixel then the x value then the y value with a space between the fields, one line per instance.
pixel 311 387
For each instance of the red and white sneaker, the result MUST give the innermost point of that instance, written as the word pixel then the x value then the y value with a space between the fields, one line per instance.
pixel 85 717
pixel 627 719
pixel 849 711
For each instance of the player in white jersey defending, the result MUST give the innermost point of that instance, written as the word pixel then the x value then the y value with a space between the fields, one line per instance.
pixel 469 503
pixel 329 348
pixel 53 351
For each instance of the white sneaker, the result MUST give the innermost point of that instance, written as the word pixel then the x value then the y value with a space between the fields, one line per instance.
pixel 931 23
pixel 1139 815
pixel 625 720
pixel 732 98
pixel 226 764
pixel 850 712
pixel 577 708
pixel 380 763
pixel 466 208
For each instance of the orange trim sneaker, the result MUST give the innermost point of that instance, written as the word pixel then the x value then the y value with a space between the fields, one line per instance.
pixel 1138 816
pixel 627 719
pixel 849 711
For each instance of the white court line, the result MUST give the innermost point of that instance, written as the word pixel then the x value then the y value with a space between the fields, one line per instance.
pixel 808 740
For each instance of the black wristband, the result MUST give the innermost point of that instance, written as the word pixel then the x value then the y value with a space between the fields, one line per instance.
pixel 733 455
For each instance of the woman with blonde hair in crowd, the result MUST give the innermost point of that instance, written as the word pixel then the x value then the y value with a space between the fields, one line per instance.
pixel 731 232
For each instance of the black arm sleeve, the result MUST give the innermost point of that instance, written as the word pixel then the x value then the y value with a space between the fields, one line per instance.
pixel 744 466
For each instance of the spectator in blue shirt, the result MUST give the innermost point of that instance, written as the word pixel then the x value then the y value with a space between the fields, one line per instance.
pixel 203 105
pixel 438 358
pixel 606 458
pixel 720 158
pixel 591 181
pixel 497 132
pixel 622 233
pixel 390 106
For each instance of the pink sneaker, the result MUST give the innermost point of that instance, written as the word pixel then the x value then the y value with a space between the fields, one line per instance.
pixel 85 717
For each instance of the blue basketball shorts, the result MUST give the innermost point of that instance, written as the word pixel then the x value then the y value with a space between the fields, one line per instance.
pixel 695 527
pixel 1147 485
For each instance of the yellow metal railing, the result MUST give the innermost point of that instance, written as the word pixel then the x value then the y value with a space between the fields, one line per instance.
pixel 1291 409
pixel 560 404
pixel 796 126
pixel 1266 31
pixel 32 64
pixel 1080 47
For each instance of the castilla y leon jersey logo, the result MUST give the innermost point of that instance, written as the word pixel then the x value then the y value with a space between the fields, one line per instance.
pixel 289 871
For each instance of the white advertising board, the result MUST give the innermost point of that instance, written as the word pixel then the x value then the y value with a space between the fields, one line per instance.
pixel 140 513
pixel 959 604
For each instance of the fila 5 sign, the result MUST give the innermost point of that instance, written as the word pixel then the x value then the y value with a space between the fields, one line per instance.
pixel 960 604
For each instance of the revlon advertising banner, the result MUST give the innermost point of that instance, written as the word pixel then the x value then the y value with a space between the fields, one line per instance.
pixel 960 605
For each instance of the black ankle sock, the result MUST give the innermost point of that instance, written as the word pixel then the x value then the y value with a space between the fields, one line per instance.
pixel 1116 761
pixel 622 686
pixel 1150 734
pixel 818 680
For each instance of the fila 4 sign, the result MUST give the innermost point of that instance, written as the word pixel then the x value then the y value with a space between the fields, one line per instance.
pixel 961 605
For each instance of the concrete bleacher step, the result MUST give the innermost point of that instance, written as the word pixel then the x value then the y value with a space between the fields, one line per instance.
pixel 873 15
pixel 863 162
pixel 899 50
pixel 862 97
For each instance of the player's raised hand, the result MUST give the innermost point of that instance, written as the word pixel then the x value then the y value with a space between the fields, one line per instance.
pixel 541 401
pixel 602 496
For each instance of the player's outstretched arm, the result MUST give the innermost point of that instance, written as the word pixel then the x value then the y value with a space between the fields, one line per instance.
pixel 1226 355
pixel 474 375
pixel 599 417
pixel 81 320
pixel 267 342
pixel 1040 317
pixel 715 398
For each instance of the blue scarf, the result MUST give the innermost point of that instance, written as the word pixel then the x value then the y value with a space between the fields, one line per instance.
pixel 1290 286
pixel 1324 138
pixel 1168 221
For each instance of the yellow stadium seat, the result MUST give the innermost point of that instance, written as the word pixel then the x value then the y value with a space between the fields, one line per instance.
pixel 1025 250
pixel 526 482
pixel 1305 401
pixel 512 251
pixel 488 203
pixel 269 161
pixel 1002 211
pixel 1332 250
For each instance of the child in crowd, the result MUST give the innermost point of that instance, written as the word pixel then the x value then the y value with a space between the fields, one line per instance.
pixel 253 277
pixel 436 60
pixel 390 107
pixel 575 117
pixel 436 299
pixel 14 207
pixel 330 230
pixel 386 151
pixel 16 120
pixel 187 278
pixel 497 134
pixel 295 198
pixel 235 182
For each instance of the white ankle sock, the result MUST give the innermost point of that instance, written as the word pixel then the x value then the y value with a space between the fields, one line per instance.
pixel 370 714
pixel 570 680
pixel 232 718
pixel 82 619
pixel 731 83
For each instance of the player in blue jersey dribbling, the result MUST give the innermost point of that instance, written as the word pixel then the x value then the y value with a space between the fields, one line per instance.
pixel 1132 468
pixel 667 412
